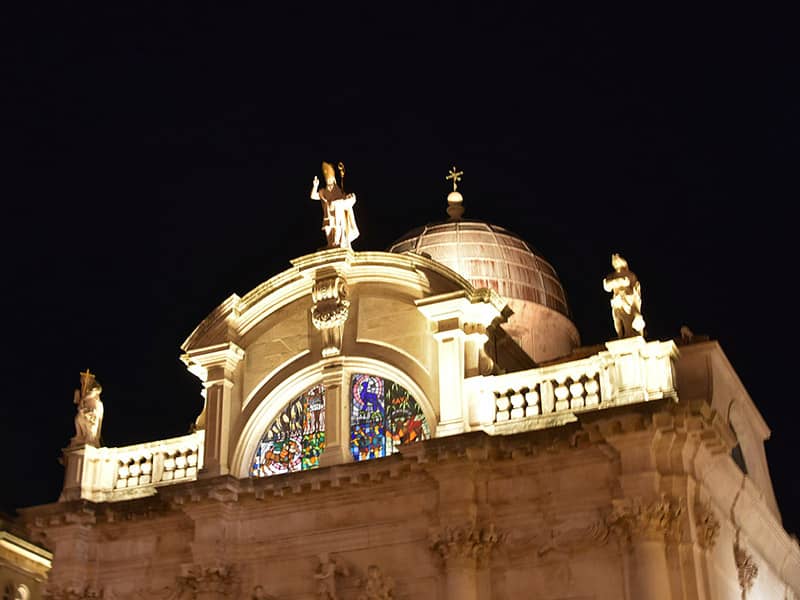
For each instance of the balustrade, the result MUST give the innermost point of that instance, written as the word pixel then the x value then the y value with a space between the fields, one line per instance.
pixel 631 370
pixel 111 474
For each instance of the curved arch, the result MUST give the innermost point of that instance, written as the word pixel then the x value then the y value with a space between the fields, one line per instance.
pixel 296 384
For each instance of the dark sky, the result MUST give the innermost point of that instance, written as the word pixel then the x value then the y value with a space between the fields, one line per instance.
pixel 156 161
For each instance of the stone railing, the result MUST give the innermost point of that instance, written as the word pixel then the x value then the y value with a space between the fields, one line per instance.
pixel 630 370
pixel 113 474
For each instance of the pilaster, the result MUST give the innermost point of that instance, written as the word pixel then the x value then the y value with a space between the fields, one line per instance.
pixel 459 321
pixel 337 416
pixel 216 366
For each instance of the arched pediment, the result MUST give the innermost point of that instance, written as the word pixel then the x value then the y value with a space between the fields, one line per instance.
pixel 328 313
pixel 410 275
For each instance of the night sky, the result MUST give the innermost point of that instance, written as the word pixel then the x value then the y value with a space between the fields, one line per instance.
pixel 154 162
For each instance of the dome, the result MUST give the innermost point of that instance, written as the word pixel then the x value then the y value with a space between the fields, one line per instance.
pixel 489 256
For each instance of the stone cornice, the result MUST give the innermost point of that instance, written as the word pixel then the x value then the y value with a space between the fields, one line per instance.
pixel 407 270
pixel 226 355
pixel 415 463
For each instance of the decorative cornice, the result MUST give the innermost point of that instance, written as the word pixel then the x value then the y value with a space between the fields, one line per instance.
pixel 226 355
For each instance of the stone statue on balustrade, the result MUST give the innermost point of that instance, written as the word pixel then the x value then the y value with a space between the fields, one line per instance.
pixel 326 574
pixel 338 217
pixel 626 299
pixel 89 417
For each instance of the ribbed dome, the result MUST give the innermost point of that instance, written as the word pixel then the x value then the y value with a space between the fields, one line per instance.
pixel 489 256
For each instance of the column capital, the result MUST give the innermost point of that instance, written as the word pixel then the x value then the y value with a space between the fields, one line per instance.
pixel 226 355
pixel 634 519
pixel 464 545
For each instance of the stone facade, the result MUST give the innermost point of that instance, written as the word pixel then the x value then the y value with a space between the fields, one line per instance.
pixel 605 474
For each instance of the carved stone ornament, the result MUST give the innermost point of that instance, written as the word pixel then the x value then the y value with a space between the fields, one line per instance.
pixel 707 526
pixel 330 311
pixel 88 592
pixel 468 545
pixel 260 594
pixel 746 567
pixel 216 579
pixel 633 518
pixel 325 574
pixel 376 585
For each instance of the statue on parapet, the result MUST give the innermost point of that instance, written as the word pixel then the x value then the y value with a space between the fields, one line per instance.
pixel 626 299
pixel 338 217
pixel 89 417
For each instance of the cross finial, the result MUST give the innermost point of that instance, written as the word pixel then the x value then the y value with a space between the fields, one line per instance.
pixel 455 176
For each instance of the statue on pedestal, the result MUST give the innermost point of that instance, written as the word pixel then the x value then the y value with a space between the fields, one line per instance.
pixel 89 417
pixel 338 218
pixel 626 301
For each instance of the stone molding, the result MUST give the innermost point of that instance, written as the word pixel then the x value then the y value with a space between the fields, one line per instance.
pixel 464 545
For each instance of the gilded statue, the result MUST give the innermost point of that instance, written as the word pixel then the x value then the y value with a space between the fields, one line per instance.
pixel 338 217
pixel 89 417
pixel 626 299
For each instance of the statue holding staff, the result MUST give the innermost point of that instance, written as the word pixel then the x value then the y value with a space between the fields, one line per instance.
pixel 89 417
pixel 338 217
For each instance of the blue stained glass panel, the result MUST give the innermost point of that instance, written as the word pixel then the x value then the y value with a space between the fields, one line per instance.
pixel 383 417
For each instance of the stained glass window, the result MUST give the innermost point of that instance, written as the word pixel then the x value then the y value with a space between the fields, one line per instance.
pixel 383 416
pixel 295 439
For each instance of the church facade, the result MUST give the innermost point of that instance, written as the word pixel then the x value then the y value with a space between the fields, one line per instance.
pixel 423 423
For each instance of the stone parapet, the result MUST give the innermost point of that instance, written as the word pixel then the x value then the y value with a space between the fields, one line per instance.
pixel 115 474
pixel 629 371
